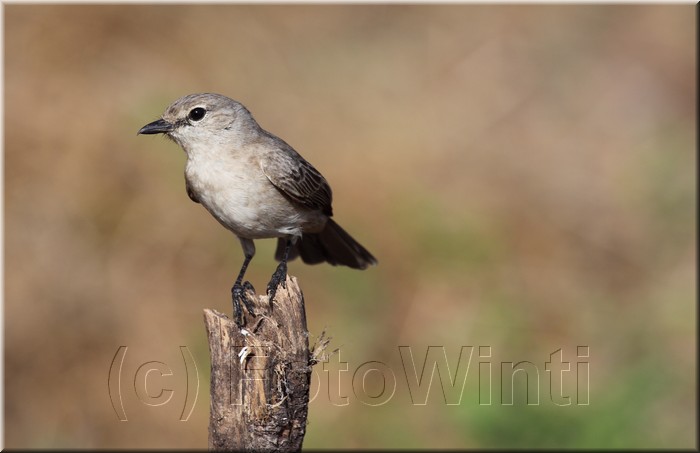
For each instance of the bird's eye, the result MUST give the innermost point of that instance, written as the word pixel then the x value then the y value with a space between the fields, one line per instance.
pixel 196 114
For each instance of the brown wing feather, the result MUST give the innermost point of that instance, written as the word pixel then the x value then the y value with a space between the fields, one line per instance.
pixel 190 192
pixel 298 180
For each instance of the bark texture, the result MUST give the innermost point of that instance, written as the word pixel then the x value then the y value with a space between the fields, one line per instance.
pixel 260 374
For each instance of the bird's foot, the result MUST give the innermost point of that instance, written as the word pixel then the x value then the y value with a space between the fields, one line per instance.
pixel 279 277
pixel 238 295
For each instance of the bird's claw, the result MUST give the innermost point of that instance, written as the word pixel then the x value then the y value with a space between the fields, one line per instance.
pixel 279 277
pixel 238 295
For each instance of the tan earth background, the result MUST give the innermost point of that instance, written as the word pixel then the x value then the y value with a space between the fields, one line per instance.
pixel 524 174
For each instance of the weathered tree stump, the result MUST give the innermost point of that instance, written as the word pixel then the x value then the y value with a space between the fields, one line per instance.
pixel 260 375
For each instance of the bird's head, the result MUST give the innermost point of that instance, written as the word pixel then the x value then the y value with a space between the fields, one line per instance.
pixel 202 120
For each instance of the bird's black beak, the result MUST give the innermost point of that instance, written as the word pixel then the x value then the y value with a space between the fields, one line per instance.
pixel 157 127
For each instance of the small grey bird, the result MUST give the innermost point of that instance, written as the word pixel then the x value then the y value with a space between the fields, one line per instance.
pixel 257 186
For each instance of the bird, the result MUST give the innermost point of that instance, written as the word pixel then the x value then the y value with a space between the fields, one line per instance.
pixel 257 186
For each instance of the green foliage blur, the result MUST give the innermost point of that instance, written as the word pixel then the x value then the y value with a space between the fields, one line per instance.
pixel 525 175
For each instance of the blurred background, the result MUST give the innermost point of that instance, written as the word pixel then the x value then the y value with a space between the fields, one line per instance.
pixel 525 175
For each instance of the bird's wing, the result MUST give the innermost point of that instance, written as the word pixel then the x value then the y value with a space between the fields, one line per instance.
pixel 298 180
pixel 190 192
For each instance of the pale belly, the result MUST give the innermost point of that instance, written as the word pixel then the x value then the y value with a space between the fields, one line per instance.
pixel 247 203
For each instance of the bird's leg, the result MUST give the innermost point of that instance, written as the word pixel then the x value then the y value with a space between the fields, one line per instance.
pixel 248 287
pixel 238 292
pixel 280 274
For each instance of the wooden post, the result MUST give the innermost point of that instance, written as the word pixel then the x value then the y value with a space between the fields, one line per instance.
pixel 260 375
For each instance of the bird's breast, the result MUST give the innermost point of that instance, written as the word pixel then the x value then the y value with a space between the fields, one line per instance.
pixel 242 199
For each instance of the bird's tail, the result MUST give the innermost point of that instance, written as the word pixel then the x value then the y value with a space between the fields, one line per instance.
pixel 333 245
